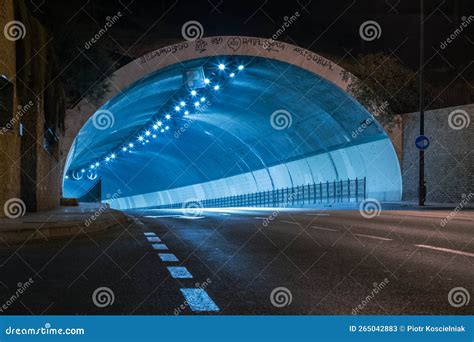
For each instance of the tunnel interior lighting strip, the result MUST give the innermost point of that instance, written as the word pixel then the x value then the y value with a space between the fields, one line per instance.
pixel 195 101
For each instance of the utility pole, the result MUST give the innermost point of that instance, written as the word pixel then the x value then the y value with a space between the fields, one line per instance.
pixel 421 178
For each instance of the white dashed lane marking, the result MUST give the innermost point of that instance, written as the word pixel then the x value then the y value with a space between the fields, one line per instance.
pixel 179 272
pixel 199 300
pixel 153 239
pixel 326 229
pixel 162 216
pixel 159 246
pixel 291 222
pixel 447 250
pixel 374 237
pixel 168 257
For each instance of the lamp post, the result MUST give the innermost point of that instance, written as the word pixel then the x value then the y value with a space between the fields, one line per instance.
pixel 421 177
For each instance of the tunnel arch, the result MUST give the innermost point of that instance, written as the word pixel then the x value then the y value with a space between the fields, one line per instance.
pixel 307 70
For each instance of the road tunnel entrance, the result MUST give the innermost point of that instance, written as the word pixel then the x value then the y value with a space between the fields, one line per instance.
pixel 233 126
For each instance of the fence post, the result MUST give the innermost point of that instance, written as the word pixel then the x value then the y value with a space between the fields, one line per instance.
pixel 320 192
pixel 348 190
pixel 357 190
pixel 365 187
pixel 341 197
pixel 327 191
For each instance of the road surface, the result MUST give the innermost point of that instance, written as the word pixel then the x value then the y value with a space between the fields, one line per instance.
pixel 253 261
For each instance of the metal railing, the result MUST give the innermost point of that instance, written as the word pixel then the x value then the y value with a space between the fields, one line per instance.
pixel 346 191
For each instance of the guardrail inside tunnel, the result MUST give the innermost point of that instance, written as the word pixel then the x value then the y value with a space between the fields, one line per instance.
pixel 347 191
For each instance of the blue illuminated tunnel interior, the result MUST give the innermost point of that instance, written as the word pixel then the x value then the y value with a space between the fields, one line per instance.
pixel 229 143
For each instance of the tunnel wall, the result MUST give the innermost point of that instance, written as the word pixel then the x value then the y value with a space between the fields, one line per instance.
pixel 383 178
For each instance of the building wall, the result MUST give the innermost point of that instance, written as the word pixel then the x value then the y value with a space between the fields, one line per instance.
pixel 449 160
pixel 27 170
pixel 9 139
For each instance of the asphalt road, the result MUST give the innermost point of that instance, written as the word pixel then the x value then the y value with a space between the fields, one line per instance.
pixel 333 262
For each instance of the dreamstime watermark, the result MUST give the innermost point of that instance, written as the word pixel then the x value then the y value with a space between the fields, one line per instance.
pixel 14 30
pixel 275 213
pixel 46 330
pixel 192 207
pixel 370 208
pixel 192 30
pixel 457 32
pixel 370 120
pixel 370 30
pixel 14 208
pixel 377 287
pixel 459 296
pixel 281 297
pixel 103 119
pixel 184 127
pixel 178 310
pixel 288 21
pixel 103 208
pixel 107 26
pixel 281 119
pixel 466 199
pixel 103 296
pixel 21 110
pixel 190 120
pixel 459 119
pixel 21 288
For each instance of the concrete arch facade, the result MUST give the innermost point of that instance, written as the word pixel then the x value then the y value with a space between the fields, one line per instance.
pixel 326 162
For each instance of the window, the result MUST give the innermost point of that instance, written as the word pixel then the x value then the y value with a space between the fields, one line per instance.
pixel 6 103
pixel 50 140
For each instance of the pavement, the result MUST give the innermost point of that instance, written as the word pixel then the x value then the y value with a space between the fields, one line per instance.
pixel 250 261
pixel 63 222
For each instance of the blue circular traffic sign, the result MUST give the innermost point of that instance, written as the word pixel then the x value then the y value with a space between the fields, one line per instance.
pixel 422 142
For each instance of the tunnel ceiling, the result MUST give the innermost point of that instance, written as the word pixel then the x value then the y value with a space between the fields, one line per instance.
pixel 234 134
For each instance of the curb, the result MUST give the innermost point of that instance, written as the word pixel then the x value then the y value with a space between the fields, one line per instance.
pixel 67 229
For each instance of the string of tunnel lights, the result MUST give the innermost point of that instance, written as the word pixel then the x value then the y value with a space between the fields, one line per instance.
pixel 195 100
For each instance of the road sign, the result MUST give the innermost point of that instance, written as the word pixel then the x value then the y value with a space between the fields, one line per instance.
pixel 422 142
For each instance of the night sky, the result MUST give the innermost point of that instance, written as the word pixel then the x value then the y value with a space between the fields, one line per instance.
pixel 330 28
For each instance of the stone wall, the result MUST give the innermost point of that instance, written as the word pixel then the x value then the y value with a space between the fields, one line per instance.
pixel 449 160
pixel 9 138
pixel 28 170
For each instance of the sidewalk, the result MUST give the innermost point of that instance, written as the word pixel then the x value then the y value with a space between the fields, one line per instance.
pixel 60 223
pixel 428 206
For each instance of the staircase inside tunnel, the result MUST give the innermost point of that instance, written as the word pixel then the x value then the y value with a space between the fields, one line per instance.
pixel 232 131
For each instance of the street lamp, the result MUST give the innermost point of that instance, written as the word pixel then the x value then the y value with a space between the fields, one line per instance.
pixel 421 176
